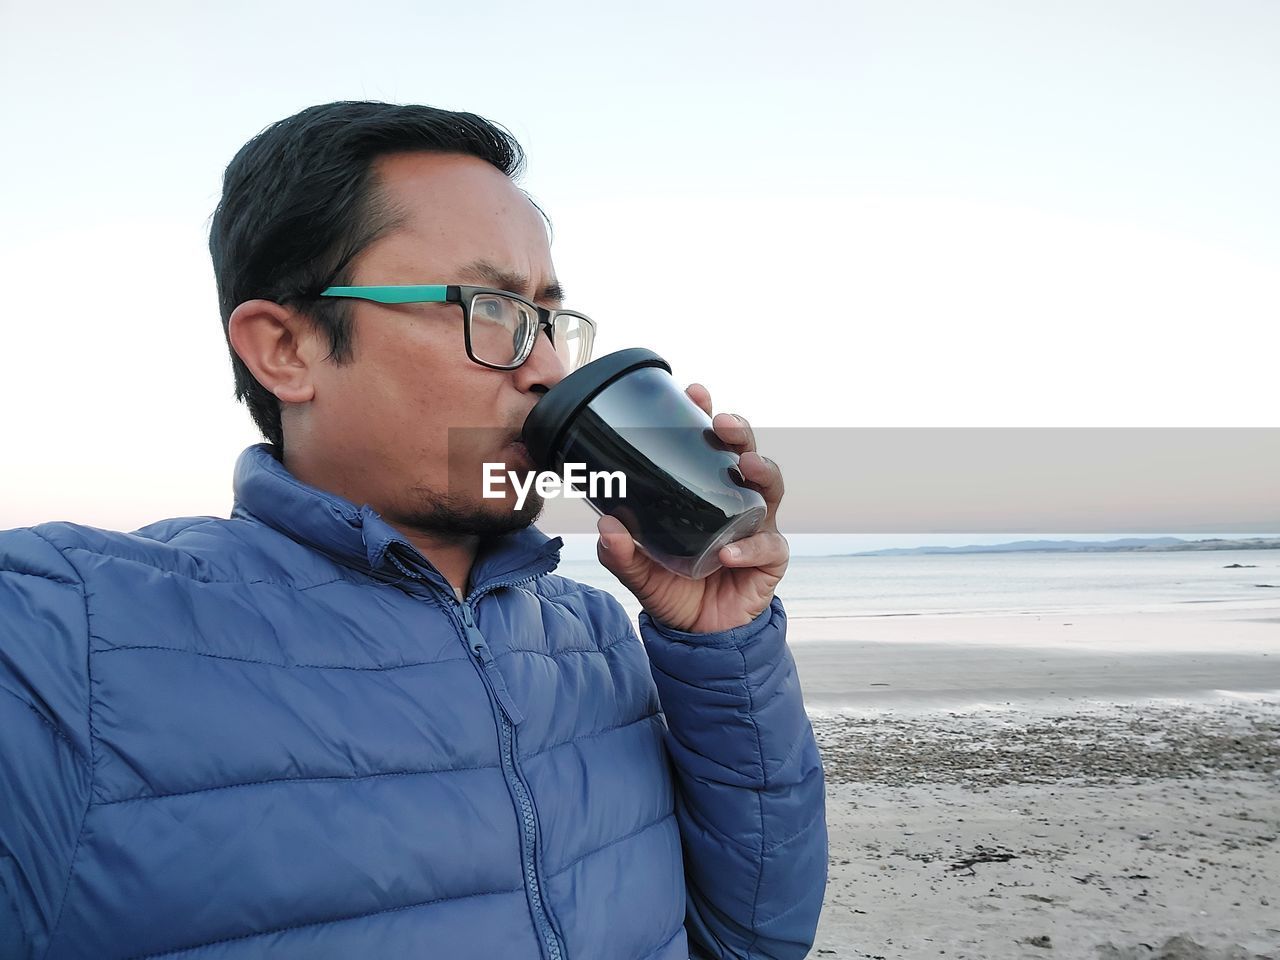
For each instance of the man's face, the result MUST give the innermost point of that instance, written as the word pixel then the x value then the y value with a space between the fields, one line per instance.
pixel 380 423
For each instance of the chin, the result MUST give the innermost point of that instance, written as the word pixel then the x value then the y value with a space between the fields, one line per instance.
pixel 456 516
pixel 504 512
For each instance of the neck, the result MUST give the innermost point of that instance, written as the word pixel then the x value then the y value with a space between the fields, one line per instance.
pixel 452 554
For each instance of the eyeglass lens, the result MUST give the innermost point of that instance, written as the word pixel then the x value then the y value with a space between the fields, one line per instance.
pixel 572 337
pixel 502 329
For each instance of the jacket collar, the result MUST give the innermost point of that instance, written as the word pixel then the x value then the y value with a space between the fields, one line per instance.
pixel 359 538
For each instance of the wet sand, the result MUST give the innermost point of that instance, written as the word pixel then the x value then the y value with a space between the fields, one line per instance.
pixel 946 675
pixel 948 661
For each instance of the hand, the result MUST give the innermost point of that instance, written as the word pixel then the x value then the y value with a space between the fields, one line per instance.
pixel 741 589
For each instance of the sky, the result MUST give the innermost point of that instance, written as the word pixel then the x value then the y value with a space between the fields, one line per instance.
pixel 861 214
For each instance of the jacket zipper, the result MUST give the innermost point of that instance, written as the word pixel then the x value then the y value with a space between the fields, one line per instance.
pixel 509 717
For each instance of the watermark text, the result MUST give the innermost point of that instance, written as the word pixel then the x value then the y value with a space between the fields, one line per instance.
pixel 576 483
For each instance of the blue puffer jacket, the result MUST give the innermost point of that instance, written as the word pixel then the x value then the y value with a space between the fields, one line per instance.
pixel 281 735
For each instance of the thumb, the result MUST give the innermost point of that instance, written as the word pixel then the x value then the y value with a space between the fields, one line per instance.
pixel 617 552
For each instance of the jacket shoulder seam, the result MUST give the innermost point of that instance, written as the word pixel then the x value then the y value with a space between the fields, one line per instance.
pixel 92 737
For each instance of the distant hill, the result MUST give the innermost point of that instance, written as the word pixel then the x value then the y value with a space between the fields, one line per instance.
pixel 1122 545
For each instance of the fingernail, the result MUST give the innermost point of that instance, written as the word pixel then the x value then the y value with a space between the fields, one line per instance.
pixel 604 542
pixel 734 551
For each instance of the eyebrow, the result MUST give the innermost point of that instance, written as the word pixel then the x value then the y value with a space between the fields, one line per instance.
pixel 511 281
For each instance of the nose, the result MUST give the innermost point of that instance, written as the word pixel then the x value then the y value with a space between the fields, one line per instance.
pixel 544 368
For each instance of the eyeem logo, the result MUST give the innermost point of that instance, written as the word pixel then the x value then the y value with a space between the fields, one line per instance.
pixel 600 483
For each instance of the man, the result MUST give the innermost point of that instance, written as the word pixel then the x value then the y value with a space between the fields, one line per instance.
pixel 362 717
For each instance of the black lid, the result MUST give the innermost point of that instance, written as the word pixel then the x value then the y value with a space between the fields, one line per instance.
pixel 559 405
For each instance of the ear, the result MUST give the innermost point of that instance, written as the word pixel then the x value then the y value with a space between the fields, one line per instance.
pixel 276 344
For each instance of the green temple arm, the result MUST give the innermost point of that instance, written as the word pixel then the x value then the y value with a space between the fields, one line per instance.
pixel 434 293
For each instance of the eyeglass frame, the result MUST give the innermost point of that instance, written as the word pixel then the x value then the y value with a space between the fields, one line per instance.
pixel 464 295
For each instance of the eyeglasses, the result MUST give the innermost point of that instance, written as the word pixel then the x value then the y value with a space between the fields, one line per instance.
pixel 500 328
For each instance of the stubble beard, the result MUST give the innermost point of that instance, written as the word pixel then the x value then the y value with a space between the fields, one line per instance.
pixel 454 517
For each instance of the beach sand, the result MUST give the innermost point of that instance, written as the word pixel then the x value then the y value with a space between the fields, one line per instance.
pixel 1098 798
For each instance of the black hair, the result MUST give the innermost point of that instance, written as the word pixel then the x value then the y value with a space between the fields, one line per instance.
pixel 300 202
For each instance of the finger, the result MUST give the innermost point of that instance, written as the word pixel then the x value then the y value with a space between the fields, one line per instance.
pixel 700 395
pixel 767 548
pixel 618 553
pixel 766 477
pixel 735 431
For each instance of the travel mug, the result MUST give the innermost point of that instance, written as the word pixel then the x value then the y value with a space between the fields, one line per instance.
pixel 623 414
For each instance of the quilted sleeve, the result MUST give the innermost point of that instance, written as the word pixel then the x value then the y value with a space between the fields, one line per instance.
pixel 750 799
pixel 44 737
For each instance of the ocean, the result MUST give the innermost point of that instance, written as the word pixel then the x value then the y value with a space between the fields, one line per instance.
pixel 1008 583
